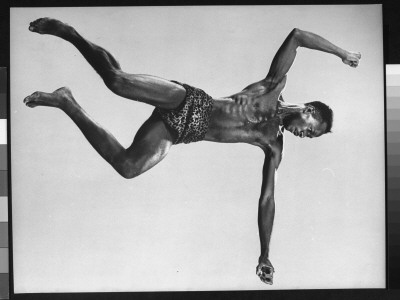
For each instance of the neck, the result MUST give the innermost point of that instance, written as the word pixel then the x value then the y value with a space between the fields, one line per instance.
pixel 286 109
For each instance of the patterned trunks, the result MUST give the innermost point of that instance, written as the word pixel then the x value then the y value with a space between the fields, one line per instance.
pixel 191 118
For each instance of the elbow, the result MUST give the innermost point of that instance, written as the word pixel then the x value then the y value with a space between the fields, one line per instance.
pixel 270 198
pixel 127 169
pixel 267 200
pixel 296 34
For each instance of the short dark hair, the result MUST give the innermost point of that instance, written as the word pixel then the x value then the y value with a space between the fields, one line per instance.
pixel 324 112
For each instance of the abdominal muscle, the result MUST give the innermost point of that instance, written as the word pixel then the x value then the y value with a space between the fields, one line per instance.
pixel 247 118
pixel 232 122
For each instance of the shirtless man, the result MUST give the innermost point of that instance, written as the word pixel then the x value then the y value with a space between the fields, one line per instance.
pixel 257 115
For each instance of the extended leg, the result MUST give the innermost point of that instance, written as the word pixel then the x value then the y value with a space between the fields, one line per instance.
pixel 150 146
pixel 149 89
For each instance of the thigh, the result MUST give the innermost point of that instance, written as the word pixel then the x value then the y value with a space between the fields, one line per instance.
pixel 152 90
pixel 150 145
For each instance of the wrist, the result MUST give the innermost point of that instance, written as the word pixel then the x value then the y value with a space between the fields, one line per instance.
pixel 263 258
pixel 342 53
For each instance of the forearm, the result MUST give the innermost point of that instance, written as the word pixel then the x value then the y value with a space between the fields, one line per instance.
pixel 266 214
pixel 313 41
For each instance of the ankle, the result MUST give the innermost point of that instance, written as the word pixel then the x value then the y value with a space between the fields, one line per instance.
pixel 68 33
pixel 70 107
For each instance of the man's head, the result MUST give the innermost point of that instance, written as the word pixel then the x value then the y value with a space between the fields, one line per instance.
pixel 314 120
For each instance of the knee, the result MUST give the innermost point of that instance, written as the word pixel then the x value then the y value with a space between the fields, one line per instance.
pixel 296 34
pixel 128 170
pixel 128 174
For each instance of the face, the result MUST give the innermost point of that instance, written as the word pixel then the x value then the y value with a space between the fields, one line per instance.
pixel 304 124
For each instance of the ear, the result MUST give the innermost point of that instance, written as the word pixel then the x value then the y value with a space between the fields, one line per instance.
pixel 309 109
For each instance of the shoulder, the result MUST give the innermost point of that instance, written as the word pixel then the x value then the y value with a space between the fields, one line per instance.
pixel 274 82
pixel 277 147
pixel 275 150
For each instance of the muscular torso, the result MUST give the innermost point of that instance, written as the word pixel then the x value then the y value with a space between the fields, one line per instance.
pixel 248 117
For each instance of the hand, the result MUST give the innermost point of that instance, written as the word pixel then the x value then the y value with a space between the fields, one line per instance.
pixel 352 59
pixel 265 271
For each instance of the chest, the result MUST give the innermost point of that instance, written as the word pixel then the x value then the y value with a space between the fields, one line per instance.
pixel 248 116
pixel 266 133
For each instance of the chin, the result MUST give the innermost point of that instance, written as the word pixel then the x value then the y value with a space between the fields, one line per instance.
pixel 286 126
pixel 289 128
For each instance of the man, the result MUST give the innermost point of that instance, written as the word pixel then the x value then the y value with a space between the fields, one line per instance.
pixel 257 115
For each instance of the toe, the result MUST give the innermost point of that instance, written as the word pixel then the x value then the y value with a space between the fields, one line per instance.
pixel 37 21
pixel 31 26
pixel 31 97
pixel 34 26
pixel 28 102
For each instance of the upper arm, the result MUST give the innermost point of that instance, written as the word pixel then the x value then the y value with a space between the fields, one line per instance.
pixel 284 58
pixel 271 164
pixel 280 65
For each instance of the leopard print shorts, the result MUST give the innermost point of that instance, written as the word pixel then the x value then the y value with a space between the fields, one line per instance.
pixel 191 118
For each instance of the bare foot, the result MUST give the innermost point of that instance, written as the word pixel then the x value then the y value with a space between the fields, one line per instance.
pixel 61 98
pixel 50 26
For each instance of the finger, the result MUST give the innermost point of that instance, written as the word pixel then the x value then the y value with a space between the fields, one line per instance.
pixel 260 272
pixel 266 277
pixel 267 280
pixel 267 269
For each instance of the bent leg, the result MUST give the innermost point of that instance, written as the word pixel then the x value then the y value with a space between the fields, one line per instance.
pixel 144 88
pixel 149 147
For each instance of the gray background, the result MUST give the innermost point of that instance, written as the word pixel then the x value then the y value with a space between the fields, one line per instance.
pixel 191 222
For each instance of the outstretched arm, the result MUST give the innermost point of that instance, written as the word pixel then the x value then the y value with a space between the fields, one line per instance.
pixel 266 214
pixel 286 54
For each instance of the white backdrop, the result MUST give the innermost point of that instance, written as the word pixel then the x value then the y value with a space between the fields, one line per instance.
pixel 190 223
